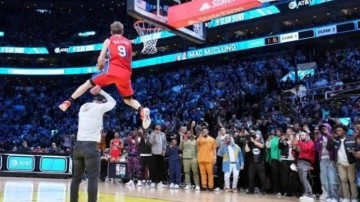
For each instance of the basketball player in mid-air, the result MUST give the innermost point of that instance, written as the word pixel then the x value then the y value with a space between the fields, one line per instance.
pixel 114 63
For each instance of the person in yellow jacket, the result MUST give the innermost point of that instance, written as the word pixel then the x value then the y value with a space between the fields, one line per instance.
pixel 206 158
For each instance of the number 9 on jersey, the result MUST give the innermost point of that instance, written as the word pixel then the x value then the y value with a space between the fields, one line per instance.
pixel 122 51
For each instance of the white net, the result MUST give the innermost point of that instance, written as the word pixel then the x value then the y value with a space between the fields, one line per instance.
pixel 149 35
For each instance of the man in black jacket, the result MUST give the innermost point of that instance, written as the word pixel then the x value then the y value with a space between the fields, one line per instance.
pixel 24 148
pixel 289 176
pixel 240 139
pixel 256 153
pixel 145 156
pixel 344 147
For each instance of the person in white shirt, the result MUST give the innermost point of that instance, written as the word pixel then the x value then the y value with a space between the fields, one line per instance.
pixel 86 155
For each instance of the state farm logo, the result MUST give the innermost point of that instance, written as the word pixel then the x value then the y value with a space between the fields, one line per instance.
pixel 215 3
pixel 205 6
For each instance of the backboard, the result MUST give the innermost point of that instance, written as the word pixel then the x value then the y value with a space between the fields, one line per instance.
pixel 155 12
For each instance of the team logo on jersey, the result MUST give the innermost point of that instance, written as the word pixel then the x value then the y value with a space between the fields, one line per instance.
pixel 256 151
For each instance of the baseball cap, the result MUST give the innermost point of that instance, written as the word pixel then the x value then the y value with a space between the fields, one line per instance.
pixel 99 98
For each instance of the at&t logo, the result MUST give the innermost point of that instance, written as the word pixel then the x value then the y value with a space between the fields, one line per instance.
pixel 14 162
pixel 21 163
pixel 298 3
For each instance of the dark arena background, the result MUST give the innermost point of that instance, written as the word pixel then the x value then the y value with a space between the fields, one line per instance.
pixel 276 84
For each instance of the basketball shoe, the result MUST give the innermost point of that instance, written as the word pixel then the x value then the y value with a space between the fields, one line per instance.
pixel 145 117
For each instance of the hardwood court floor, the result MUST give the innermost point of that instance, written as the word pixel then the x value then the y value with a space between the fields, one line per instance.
pixel 57 190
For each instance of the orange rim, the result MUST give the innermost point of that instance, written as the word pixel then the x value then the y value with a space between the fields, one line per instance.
pixel 137 26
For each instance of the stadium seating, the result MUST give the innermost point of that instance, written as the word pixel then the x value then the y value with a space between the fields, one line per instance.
pixel 178 96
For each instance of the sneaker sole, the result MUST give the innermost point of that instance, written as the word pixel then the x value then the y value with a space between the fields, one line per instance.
pixel 147 121
pixel 63 108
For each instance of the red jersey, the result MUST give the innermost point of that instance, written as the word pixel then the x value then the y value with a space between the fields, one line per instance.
pixel 115 151
pixel 307 150
pixel 119 55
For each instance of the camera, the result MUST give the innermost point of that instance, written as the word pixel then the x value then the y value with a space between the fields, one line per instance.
pixel 251 135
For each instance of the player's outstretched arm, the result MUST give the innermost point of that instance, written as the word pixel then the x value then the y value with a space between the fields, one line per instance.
pixel 102 56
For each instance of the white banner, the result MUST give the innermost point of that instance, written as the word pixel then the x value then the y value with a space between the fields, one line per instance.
pixel 289 37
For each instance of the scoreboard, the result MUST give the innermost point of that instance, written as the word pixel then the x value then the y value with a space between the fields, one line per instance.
pixel 313 33
pixel 272 40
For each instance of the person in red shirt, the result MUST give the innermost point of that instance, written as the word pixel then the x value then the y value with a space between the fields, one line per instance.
pixel 114 63
pixel 306 149
pixel 116 145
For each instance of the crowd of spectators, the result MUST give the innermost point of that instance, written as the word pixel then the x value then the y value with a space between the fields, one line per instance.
pixel 242 96
pixel 249 88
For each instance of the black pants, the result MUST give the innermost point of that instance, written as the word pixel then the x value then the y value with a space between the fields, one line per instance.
pixel 275 175
pixel 296 183
pixel 103 169
pixel 257 169
pixel 145 162
pixel 290 181
pixel 85 156
pixel 157 167
pixel 244 174
pixel 219 172
pixel 285 177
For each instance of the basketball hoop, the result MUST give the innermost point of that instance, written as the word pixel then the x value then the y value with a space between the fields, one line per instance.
pixel 147 33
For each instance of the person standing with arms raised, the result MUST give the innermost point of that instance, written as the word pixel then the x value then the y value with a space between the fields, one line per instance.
pixel 86 155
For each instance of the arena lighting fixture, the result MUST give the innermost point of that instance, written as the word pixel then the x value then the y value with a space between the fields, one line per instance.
pixel 43 11
pixel 86 34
